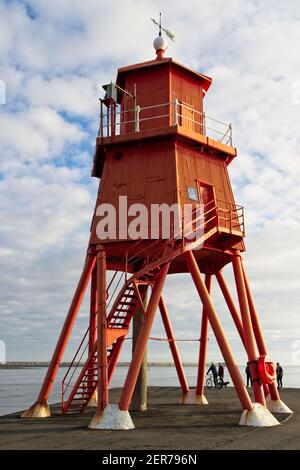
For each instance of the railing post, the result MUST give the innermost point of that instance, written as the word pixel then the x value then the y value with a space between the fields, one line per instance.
pixel 137 110
pixel 230 133
pixel 217 213
pixel 182 232
pixel 204 123
pixel 107 122
pixel 175 111
pixel 101 120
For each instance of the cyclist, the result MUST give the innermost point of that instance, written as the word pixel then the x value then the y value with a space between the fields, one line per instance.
pixel 213 369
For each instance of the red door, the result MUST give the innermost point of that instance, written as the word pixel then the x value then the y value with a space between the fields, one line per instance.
pixel 208 199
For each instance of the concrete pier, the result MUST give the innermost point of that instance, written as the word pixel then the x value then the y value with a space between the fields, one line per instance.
pixel 166 425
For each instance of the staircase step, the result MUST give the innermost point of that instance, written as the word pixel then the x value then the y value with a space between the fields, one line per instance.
pixel 120 318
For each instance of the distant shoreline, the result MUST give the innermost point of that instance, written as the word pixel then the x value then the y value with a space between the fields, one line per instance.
pixel 29 364
pixel 35 364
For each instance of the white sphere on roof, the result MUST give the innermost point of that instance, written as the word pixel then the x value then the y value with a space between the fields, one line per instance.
pixel 160 43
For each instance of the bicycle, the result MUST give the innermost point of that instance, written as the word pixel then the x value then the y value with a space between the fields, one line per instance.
pixel 218 384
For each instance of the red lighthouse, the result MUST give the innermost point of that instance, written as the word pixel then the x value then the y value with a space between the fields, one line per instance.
pixel 165 205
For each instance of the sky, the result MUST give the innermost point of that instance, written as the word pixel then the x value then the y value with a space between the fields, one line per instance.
pixel 53 56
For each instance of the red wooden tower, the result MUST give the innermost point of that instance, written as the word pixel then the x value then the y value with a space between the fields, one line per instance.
pixel 157 146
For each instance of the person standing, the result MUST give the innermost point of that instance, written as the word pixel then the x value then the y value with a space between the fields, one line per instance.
pixel 214 371
pixel 221 372
pixel 279 374
pixel 248 375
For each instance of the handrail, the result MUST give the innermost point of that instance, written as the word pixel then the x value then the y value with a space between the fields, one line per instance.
pixel 112 121
pixel 155 106
pixel 222 218
pixel 65 385
pixel 235 219
pixel 74 366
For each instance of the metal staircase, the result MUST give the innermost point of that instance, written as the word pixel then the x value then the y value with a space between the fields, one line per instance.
pixel 84 386
pixel 79 385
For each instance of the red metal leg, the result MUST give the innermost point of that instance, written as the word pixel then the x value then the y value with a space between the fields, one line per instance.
pixel 102 332
pixel 218 331
pixel 67 328
pixel 203 343
pixel 262 348
pixel 114 357
pixel 93 311
pixel 173 346
pixel 93 320
pixel 231 306
pixel 141 343
pixel 248 331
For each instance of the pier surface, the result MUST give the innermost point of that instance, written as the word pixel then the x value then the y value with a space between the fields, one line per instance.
pixel 166 425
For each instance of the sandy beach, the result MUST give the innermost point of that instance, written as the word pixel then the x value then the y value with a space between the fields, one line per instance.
pixel 166 425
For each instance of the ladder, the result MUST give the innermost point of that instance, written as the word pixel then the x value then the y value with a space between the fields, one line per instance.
pixel 122 312
pixel 118 322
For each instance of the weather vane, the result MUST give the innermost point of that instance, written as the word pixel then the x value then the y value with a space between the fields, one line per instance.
pixel 160 29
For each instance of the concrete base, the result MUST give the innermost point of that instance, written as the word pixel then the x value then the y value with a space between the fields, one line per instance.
pixel 112 418
pixel 94 400
pixel 260 416
pixel 191 398
pixel 277 406
pixel 37 410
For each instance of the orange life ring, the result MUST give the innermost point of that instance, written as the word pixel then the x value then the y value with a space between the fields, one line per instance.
pixel 266 369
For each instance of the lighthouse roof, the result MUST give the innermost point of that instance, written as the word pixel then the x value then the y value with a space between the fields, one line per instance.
pixel 205 80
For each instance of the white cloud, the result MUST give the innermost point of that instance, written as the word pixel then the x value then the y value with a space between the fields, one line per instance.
pixel 75 95
pixel 37 133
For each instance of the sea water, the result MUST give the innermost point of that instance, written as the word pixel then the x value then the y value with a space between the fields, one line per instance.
pixel 19 387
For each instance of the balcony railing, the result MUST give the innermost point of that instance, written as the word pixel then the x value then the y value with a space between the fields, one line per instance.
pixel 115 121
pixel 217 215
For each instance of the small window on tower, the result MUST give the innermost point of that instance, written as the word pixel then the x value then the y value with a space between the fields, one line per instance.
pixel 193 193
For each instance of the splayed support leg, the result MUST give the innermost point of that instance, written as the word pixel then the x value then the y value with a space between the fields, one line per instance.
pixel 102 333
pixel 114 357
pixel 248 330
pixel 139 398
pixel 173 347
pixel 253 415
pixel 218 331
pixel 273 401
pixel 107 416
pixel 141 344
pixel 203 348
pixel 230 304
pixel 41 409
pixel 93 333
